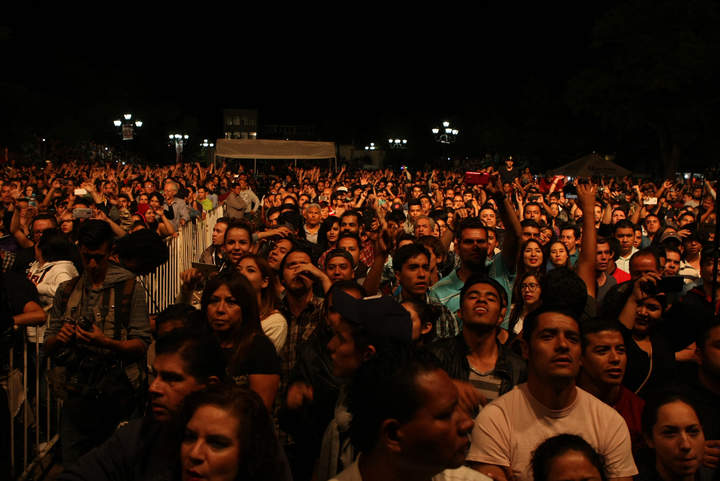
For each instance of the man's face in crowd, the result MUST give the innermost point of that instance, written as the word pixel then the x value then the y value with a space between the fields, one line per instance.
pixel 458 202
pixel 426 205
pixel 640 265
pixel 350 223
pixel 652 224
pixel 617 216
pixel 692 246
pixel 554 350
pixel 339 268
pixel 273 219
pixel 169 193
pixel 603 257
pixel 346 357
pixel 604 358
pixel 171 386
pixel 5 194
pixel 685 220
pixel 625 236
pixel 108 189
pixel 532 212
pixel 414 276
pixel 237 243
pixel 149 188
pixel 278 253
pixel 123 203
pixel 201 193
pixel 39 226
pixel 567 237
pixel 423 227
pixel 472 247
pixel 488 217
pixel 96 261
pixel 672 263
pixel 218 233
pixel 530 232
pixel 312 216
pixel 414 211
pixel 597 210
pixel 350 244
pixel 416 192
pixel 292 279
pixel 436 437
pixel 482 307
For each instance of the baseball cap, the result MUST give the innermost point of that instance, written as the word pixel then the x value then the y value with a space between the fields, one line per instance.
pixel 382 317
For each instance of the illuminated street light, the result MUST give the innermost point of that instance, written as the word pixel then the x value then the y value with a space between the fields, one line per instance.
pixel 398 144
pixel 127 126
pixel 178 141
pixel 446 135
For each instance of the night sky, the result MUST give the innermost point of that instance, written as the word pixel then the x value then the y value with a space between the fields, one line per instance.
pixel 504 74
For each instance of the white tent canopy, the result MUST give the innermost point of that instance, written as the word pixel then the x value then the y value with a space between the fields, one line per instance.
pixel 274 149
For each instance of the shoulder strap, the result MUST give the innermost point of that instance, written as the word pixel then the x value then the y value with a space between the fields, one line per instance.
pixel 68 288
pixel 123 302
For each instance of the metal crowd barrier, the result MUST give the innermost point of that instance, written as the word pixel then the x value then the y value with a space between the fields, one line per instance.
pixel 35 436
pixel 163 285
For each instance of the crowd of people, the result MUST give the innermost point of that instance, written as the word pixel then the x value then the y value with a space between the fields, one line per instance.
pixel 371 325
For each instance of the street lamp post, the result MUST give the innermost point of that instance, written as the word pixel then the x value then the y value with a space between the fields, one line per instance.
pixel 127 128
pixel 179 141
pixel 205 146
pixel 397 144
pixel 446 134
pixel 372 146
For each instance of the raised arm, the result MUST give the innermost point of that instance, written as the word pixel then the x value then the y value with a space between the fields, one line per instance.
pixel 586 261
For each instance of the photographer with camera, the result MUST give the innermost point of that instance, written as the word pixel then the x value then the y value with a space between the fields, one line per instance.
pixel 98 334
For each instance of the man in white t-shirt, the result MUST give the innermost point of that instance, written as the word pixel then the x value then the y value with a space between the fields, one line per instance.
pixel 509 429
pixel 406 421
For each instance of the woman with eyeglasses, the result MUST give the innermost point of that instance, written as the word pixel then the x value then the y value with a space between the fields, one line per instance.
pixel 527 296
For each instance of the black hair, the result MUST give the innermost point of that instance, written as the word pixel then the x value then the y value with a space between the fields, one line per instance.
pixel 291 219
pixel 200 352
pixel 550 449
pixel 531 321
pixel 385 387
pixel 352 212
pixel 647 252
pixel 239 224
pixel 294 249
pixel 260 450
pixel 345 235
pixel 406 252
pixel 623 224
pixel 573 227
pixel 484 279
pixel 563 289
pixel 469 223
pixel 412 202
pixel 530 223
pixel 593 326
pixel 142 252
pixel 703 331
pixel 435 244
pixel 189 316
pixel 56 246
pixel 428 313
pixel 324 229
pixel 94 233
pixel 396 216
pixel 655 401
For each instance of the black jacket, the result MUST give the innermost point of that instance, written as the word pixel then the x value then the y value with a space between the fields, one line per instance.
pixel 452 354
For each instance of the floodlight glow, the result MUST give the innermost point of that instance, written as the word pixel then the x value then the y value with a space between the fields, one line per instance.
pixel 435 131
pixel 117 123
pixel 127 116
pixel 446 124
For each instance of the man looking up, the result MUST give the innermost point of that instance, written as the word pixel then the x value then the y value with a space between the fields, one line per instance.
pixel 406 421
pixel 509 429
pixel 482 367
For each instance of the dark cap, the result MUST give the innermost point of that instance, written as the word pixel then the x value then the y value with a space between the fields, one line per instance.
pixel 382 317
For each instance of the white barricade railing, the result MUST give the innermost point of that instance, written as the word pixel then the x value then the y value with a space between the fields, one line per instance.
pixel 41 433
pixel 163 285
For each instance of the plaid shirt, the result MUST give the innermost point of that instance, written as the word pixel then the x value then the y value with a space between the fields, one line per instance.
pixel 446 325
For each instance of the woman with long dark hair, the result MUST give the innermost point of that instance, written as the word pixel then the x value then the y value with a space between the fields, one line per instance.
pixel 230 306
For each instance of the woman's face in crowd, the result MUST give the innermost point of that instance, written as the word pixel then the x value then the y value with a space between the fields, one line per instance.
pixel 346 357
pixel 333 232
pixel 678 440
pixel 142 199
pixel 249 268
pixel 155 202
pixel 532 256
pixel 66 223
pixel 647 314
pixel 210 449
pixel 545 235
pixel 530 290
pixel 558 254
pixel 223 310
pixel 572 466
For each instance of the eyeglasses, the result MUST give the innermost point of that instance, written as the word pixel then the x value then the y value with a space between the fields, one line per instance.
pixel 530 286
